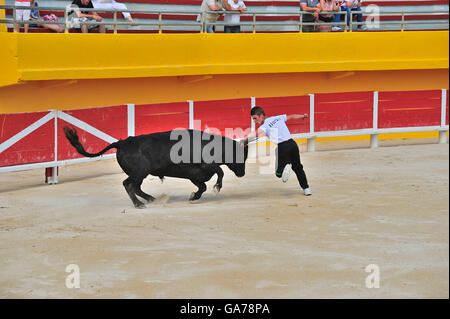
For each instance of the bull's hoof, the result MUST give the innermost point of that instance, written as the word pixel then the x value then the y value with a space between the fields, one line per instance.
pixel 139 205
pixel 194 196
pixel 217 188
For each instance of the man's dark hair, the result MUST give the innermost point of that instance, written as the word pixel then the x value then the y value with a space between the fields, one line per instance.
pixel 257 111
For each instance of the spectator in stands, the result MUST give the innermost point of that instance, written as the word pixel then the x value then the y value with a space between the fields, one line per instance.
pixel 327 6
pixel 35 16
pixel 22 15
pixel 312 6
pixel 77 16
pixel 348 6
pixel 206 17
pixel 111 4
pixel 232 20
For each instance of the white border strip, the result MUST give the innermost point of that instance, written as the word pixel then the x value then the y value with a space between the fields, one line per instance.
pixel 311 113
pixel 375 110
pixel 23 167
pixel 8 143
pixel 443 107
pixel 191 115
pixel 56 135
pixel 86 127
pixel 253 104
pixel 131 120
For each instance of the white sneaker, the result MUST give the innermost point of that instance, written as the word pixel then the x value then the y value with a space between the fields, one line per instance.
pixel 336 28
pixel 307 191
pixel 286 173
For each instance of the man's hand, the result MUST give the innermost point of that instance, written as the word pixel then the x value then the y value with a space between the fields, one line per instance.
pixel 316 13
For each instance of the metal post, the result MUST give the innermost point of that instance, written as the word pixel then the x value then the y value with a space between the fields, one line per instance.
pixel 311 141
pixel 51 173
pixel 66 22
pixel 403 22
pixel 374 136
pixel 443 133
pixel 351 21
pixel 253 104
pixel 14 20
pixel 301 22
pixel 345 22
pixel 115 21
pixel 160 22
pixel 254 23
pixel 131 119
pixel 252 149
pixel 443 106
pixel 191 115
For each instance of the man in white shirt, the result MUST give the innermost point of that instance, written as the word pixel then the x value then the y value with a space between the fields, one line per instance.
pixel 232 20
pixel 287 152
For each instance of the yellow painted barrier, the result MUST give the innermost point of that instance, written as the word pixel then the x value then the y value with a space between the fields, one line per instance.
pixel 95 56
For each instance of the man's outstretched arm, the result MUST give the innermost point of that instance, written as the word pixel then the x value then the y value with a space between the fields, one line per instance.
pixel 252 136
pixel 296 117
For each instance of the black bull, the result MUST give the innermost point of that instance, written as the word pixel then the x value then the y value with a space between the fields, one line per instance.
pixel 154 154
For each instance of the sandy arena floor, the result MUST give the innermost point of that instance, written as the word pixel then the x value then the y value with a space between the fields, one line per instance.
pixel 258 238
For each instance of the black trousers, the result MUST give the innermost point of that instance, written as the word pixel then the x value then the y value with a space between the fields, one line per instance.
pixel 287 152
pixel 308 18
pixel 232 29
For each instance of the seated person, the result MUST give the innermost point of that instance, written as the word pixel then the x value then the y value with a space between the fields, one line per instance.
pixel 111 4
pixel 35 16
pixel 76 16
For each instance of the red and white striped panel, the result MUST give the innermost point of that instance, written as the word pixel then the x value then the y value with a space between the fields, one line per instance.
pixel 26 138
pixel 409 109
pixel 343 111
pixel 97 128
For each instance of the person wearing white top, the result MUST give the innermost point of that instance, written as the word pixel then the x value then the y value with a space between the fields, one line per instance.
pixel 287 152
pixel 112 4
pixel 232 20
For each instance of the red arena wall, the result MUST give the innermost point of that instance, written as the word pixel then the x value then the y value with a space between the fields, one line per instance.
pixel 27 138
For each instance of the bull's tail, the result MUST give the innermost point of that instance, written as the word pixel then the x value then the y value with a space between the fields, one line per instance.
pixel 72 136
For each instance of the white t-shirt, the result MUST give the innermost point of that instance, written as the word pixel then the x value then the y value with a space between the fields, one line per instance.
pixel 210 17
pixel 233 18
pixel 275 129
